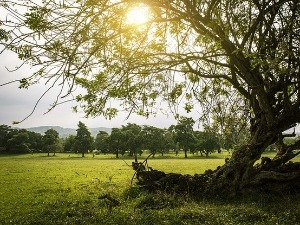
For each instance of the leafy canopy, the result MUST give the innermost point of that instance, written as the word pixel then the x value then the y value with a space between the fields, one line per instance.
pixel 229 56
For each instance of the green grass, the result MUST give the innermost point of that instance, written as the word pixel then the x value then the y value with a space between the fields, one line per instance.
pixel 35 189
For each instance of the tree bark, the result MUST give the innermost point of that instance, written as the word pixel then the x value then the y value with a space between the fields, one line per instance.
pixel 117 153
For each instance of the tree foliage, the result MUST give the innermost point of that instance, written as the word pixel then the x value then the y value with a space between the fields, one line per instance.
pixel 102 141
pixel 18 143
pixel 206 142
pixel 70 143
pixel 14 140
pixel 84 139
pixel 134 141
pixel 51 140
pixel 117 141
pixel 184 134
pixel 153 139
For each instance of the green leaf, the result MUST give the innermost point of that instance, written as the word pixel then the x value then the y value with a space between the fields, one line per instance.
pixel 24 83
pixel 4 35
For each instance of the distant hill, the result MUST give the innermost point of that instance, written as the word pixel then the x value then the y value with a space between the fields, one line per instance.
pixel 65 132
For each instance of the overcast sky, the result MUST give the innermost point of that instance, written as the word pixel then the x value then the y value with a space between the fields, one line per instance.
pixel 17 103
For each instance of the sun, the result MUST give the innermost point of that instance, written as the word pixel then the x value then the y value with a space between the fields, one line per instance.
pixel 137 15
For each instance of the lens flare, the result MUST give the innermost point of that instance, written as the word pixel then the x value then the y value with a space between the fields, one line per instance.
pixel 137 15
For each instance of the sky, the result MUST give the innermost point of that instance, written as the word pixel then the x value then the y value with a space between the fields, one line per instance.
pixel 16 104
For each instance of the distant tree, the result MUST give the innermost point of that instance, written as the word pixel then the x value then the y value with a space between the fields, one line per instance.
pixel 18 143
pixel 84 139
pixel 184 133
pixel 102 142
pixel 133 138
pixel 6 132
pixel 194 147
pixel 211 143
pixel 169 140
pixel 35 141
pixel 117 141
pixel 200 139
pixel 153 139
pixel 60 145
pixel 206 142
pixel 50 140
pixel 70 143
pixel 233 128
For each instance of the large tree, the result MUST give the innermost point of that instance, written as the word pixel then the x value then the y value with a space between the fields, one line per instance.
pixel 230 55
pixel 19 141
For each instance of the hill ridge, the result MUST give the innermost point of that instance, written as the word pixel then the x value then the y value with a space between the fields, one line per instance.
pixel 65 132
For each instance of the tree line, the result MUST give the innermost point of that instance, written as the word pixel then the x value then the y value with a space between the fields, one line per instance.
pixel 131 139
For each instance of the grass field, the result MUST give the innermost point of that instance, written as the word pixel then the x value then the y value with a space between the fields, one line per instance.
pixel 67 189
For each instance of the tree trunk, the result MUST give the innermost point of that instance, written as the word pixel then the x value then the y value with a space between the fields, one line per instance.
pixel 238 171
pixel 240 174
pixel 185 154
pixel 135 156
pixel 117 153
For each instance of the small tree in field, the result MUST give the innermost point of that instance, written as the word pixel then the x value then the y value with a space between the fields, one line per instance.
pixel 50 140
pixel 184 134
pixel 207 141
pixel 70 143
pixel 102 142
pixel 117 141
pixel 133 138
pixel 84 139
pixel 153 139
pixel 169 142
pixel 19 143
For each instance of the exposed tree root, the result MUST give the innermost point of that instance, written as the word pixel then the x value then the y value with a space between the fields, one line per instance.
pixel 283 179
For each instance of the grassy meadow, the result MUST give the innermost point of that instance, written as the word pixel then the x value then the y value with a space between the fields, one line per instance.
pixel 68 189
